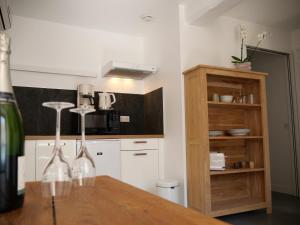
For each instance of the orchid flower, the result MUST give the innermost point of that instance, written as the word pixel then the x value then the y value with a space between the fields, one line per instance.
pixel 262 36
pixel 243 32
pixel 243 35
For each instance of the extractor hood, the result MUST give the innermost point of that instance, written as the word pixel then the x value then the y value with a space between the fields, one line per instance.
pixel 127 70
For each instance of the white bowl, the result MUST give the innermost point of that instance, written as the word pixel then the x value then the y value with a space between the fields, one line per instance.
pixel 226 98
pixel 215 133
pixel 239 132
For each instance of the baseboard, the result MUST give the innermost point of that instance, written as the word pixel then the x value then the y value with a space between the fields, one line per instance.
pixel 284 189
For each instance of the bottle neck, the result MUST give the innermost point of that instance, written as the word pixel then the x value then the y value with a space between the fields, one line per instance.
pixel 5 82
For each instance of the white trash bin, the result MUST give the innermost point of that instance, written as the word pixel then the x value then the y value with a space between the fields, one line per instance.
pixel 168 189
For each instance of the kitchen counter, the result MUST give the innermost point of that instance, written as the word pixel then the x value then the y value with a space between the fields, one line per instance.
pixel 91 137
pixel 110 203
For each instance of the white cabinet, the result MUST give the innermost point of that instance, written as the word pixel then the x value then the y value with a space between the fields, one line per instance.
pixel 139 144
pixel 29 150
pixel 44 149
pixel 134 161
pixel 139 167
pixel 106 155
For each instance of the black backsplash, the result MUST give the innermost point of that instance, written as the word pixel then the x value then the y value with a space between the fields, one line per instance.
pixel 153 112
pixel 145 111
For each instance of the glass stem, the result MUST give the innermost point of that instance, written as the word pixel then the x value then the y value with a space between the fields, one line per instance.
pixel 57 138
pixel 83 129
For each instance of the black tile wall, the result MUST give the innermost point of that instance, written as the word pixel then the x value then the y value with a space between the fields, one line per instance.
pixel 39 120
pixel 129 105
pixel 145 111
pixel 153 108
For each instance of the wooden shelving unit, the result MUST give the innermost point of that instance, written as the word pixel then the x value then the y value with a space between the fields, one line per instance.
pixel 235 137
pixel 227 207
pixel 232 171
pixel 218 193
pixel 232 105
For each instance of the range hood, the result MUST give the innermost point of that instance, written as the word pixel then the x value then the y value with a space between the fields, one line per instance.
pixel 127 70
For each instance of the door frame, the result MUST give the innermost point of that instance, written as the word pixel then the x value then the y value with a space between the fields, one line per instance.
pixel 293 84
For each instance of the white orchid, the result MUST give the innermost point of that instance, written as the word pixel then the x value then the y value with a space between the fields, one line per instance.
pixel 262 36
pixel 243 35
pixel 243 31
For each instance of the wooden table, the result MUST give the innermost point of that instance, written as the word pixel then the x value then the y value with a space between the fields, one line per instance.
pixel 111 202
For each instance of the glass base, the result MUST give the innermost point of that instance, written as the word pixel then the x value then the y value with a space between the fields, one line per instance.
pixel 56 189
pixel 84 182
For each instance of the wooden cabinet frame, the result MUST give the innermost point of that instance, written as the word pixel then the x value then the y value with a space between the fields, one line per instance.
pixel 210 192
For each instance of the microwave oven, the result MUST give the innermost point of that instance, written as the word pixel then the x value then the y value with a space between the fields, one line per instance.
pixel 101 122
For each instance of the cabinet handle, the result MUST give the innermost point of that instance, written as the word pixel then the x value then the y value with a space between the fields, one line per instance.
pixel 139 154
pixel 99 153
pixel 52 144
pixel 140 142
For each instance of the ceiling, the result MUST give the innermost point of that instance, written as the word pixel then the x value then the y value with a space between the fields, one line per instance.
pixel 283 14
pixel 123 16
pixel 114 15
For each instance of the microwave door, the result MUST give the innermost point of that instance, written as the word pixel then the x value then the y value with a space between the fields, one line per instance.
pixel 96 123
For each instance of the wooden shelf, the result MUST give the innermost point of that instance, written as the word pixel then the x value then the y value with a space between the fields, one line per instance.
pixel 233 105
pixel 218 193
pixel 232 171
pixel 227 207
pixel 235 137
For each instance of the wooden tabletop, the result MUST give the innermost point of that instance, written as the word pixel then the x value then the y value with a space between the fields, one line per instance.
pixel 111 202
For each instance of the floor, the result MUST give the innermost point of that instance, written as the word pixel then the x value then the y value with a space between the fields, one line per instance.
pixel 286 211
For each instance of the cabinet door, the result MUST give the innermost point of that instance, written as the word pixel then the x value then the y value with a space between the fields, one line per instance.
pixel 140 168
pixel 44 152
pixel 139 144
pixel 29 161
pixel 106 155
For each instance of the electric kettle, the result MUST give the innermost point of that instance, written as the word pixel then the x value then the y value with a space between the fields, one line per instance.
pixel 106 100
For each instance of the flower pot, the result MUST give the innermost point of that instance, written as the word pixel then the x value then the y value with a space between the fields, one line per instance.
pixel 243 66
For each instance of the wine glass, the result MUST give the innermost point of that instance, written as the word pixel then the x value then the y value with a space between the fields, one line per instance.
pixel 56 178
pixel 83 167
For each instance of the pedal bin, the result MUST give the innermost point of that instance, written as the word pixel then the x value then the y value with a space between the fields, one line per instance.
pixel 168 189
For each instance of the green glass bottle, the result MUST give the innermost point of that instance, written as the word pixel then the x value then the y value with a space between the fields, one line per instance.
pixel 12 187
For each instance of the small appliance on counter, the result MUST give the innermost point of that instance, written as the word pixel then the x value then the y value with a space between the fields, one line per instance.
pixel 106 100
pixel 85 95
pixel 102 122
pixel 217 161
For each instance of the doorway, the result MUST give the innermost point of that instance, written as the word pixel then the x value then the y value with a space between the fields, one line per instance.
pixel 282 118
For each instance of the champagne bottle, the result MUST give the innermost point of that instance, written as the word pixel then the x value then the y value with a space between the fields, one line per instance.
pixel 12 186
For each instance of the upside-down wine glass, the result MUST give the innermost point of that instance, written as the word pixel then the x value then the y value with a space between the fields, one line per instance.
pixel 83 167
pixel 56 178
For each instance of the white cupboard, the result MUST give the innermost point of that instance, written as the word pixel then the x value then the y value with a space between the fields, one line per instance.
pixel 134 161
pixel 44 149
pixel 140 163
pixel 29 150
pixel 106 155
pixel 139 144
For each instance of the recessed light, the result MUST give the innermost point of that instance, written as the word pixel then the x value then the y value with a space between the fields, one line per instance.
pixel 147 18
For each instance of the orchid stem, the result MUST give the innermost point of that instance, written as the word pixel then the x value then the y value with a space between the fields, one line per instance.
pixel 242 47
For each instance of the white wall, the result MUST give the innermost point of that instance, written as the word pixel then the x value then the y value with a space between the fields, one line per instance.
pixel 162 49
pixel 64 47
pixel 56 45
pixel 216 43
pixel 296 39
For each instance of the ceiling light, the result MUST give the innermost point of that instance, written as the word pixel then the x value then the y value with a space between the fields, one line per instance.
pixel 147 18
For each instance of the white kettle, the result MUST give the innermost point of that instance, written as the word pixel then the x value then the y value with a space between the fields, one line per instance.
pixel 106 100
